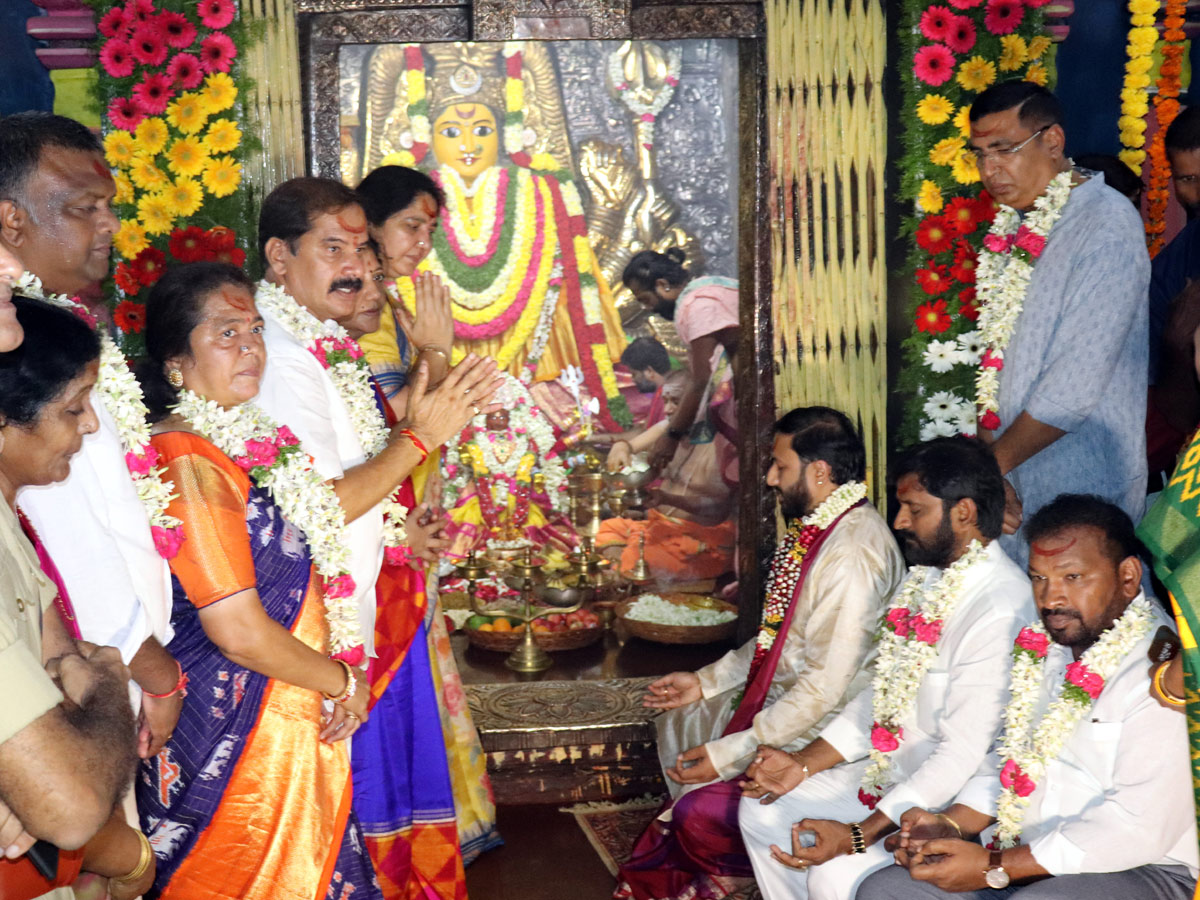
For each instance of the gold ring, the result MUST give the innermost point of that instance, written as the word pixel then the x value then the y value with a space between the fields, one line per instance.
pixel 475 409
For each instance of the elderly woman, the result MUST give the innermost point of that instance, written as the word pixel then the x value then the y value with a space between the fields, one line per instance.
pixel 61 773
pixel 251 796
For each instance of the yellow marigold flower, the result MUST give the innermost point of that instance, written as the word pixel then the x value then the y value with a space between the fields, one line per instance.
pixel 399 158
pixel 416 84
pixel 1142 41
pixel 223 175
pixel 130 239
pixel 188 113
pixel 151 135
pixel 145 173
pixel 964 170
pixel 1038 74
pixel 1038 46
pixel 185 196
pixel 119 148
pixel 1133 159
pixel 929 198
pixel 945 151
pixel 155 213
pixel 219 91
pixel 223 136
pixel 1139 66
pixel 514 94
pixel 1143 7
pixel 187 156
pixel 934 109
pixel 1130 123
pixel 124 188
pixel 976 74
pixel 1013 52
pixel 1136 108
pixel 962 120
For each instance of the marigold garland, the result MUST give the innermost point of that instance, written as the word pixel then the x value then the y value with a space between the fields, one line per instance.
pixel 1134 103
pixel 1166 105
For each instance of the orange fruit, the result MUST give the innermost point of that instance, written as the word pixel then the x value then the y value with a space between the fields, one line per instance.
pixel 485 627
pixel 502 625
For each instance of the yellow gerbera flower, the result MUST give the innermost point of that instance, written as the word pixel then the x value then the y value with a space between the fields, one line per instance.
pixel 964 170
pixel 145 172
pixel 929 198
pixel 119 148
pixel 187 156
pixel 962 120
pixel 976 74
pixel 155 213
pixel 934 109
pixel 124 188
pixel 130 239
pixel 945 151
pixel 151 135
pixel 223 136
pixel 185 196
pixel 188 113
pixel 1037 47
pixel 219 91
pixel 222 176
pixel 1013 52
pixel 1039 74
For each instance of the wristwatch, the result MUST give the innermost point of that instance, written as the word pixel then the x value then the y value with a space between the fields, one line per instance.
pixel 994 874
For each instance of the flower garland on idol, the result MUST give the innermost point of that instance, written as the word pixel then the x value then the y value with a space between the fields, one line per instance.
pixel 1005 268
pixel 273 458
pixel 647 112
pixel 1028 746
pixel 343 359
pixel 908 646
pixel 786 566
pixel 121 395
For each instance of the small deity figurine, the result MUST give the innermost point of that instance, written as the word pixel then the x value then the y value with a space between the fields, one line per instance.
pixel 506 490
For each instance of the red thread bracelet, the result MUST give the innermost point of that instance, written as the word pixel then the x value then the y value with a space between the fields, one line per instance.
pixel 416 442
pixel 180 685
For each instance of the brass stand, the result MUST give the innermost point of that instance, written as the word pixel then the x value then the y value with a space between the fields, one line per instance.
pixel 640 573
pixel 528 657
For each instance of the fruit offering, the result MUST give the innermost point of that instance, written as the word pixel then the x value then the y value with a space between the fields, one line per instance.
pixel 573 621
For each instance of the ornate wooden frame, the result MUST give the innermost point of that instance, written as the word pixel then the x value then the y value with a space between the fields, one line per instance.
pixel 325 25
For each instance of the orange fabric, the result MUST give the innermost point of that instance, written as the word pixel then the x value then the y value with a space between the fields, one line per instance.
pixel 400 604
pixel 436 868
pixel 19 880
pixel 674 547
pixel 214 560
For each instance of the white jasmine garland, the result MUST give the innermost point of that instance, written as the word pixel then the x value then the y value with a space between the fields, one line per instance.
pixel 908 646
pixel 1027 747
pixel 842 499
pixel 278 464
pixel 351 378
pixel 647 112
pixel 118 390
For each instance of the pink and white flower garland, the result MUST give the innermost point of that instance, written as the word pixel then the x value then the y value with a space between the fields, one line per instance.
pixel 1027 747
pixel 121 396
pixel 647 112
pixel 1002 275
pixel 273 458
pixel 908 646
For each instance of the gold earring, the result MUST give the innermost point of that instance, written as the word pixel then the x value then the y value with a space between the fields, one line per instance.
pixel 175 378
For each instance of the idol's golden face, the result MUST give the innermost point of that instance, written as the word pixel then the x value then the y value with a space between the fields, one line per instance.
pixel 466 139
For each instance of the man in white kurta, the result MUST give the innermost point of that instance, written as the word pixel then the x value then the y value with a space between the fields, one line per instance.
pixel 956 714
pixel 1112 815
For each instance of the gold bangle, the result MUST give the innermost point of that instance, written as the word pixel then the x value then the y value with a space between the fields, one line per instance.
pixel 147 856
pixel 1161 689
pixel 949 821
pixel 348 691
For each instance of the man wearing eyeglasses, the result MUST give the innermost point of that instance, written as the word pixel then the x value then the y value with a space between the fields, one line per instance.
pixel 1072 378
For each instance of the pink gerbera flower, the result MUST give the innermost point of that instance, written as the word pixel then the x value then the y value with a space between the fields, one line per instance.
pixel 124 113
pixel 217 53
pixel 116 58
pixel 960 34
pixel 180 32
pixel 184 69
pixel 148 44
pixel 965 4
pixel 139 11
pixel 933 64
pixel 216 13
pixel 114 23
pixel 1003 16
pixel 935 21
pixel 153 94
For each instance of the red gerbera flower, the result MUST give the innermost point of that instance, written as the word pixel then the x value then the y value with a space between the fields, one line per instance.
pixel 932 317
pixel 933 64
pixel 215 13
pixel 986 207
pixel 933 278
pixel 126 280
pixel 178 30
pixel 934 235
pixel 960 34
pixel 217 53
pixel 962 215
pixel 967 307
pixel 1003 16
pixel 964 263
pixel 184 69
pixel 149 44
pixel 188 244
pixel 114 23
pixel 153 93
pixel 220 239
pixel 124 113
pixel 965 4
pixel 130 317
pixel 116 58
pixel 1034 4
pixel 148 265
pixel 935 21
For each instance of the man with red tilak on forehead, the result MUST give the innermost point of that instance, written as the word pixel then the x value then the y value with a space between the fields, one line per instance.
pixel 1082 797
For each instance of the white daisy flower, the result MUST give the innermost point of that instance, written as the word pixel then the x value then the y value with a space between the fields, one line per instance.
pixel 942 356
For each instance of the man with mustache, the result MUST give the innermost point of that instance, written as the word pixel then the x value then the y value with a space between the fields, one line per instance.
pixel 813 821
pixel 834 569
pixel 1094 807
